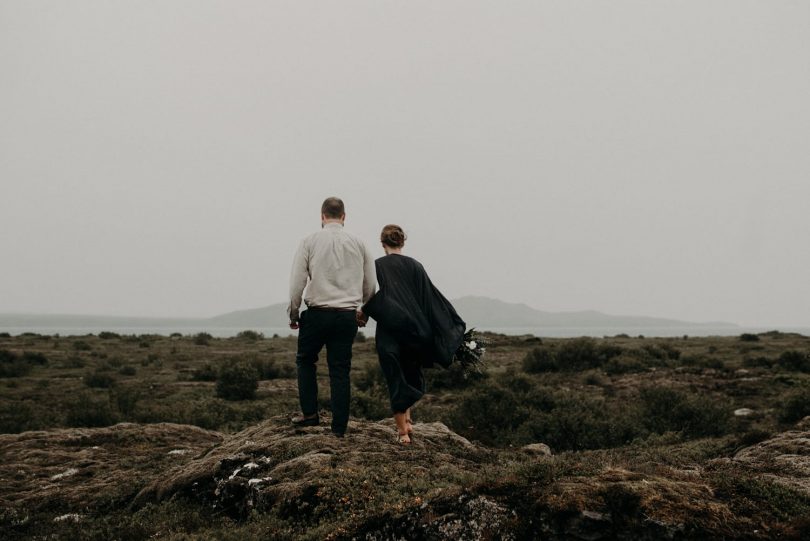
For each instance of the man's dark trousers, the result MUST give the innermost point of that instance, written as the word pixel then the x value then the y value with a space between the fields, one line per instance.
pixel 335 330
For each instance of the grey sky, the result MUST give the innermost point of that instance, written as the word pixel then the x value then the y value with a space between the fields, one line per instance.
pixel 635 157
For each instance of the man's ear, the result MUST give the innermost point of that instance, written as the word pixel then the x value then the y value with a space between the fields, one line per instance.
pixel 343 218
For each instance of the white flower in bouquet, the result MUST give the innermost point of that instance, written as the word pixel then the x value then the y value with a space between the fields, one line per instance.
pixel 470 352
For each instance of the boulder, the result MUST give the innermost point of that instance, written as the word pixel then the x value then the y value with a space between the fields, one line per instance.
pixel 537 449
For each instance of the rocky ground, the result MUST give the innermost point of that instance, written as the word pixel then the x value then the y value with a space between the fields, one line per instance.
pixel 115 437
pixel 272 480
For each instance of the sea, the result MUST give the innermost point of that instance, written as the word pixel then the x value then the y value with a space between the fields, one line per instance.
pixel 543 332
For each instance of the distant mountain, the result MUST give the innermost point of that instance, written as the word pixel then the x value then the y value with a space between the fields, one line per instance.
pixel 484 312
pixel 481 312
pixel 274 315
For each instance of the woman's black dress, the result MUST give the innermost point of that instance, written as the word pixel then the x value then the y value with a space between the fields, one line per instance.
pixel 416 327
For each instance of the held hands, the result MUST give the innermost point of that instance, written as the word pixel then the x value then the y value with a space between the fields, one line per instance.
pixel 361 318
pixel 294 325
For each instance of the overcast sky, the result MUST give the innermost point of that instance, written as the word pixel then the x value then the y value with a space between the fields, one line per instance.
pixel 634 157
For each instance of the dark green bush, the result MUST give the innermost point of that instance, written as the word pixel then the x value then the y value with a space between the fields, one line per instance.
pixel 540 359
pixel 665 409
pixel 5 335
pixel 490 414
pixel 578 422
pixel 758 362
pixel 371 377
pixel 585 353
pixel 749 337
pixel 250 335
pixel 453 377
pixel 578 354
pixel 81 345
pixel 371 405
pixel 99 379
pixel 205 373
pixel 272 369
pixel 202 339
pixel 107 335
pixel 515 410
pixel 796 406
pixel 15 417
pixel 74 361
pixel 625 364
pixel 15 366
pixel 88 410
pixel 795 361
pixel 237 381
pixel 657 352
pixel 34 358
pixel 126 400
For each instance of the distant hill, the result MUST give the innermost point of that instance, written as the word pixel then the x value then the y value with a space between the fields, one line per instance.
pixel 485 312
pixel 480 312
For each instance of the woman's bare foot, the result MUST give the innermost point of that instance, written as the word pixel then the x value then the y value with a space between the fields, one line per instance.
pixel 403 434
pixel 408 421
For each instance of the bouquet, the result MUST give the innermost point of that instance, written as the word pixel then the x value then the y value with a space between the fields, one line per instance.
pixel 470 352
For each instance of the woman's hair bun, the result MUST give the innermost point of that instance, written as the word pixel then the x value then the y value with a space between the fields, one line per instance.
pixel 393 236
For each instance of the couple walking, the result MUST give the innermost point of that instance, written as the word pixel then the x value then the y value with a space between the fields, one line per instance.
pixel 416 325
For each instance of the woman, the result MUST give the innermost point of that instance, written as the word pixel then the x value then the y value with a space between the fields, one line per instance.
pixel 416 327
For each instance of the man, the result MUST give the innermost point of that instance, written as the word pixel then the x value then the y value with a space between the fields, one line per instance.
pixel 340 272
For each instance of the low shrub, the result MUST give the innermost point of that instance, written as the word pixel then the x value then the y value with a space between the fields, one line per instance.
pixel 202 339
pixel 207 372
pixel 490 414
pixel 796 406
pixel 107 335
pixel 540 359
pixel 749 337
pixel 794 361
pixel 371 377
pixel 625 364
pixel 98 379
pixel 74 361
pixel 669 410
pixel 34 358
pixel 453 377
pixel 81 345
pixel 250 335
pixel 585 353
pixel 237 381
pixel 126 400
pixel 272 369
pixel 15 417
pixel 14 366
pixel 370 405
pixel 758 362
pixel 89 411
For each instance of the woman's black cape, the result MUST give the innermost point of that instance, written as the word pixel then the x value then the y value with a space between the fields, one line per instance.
pixel 414 310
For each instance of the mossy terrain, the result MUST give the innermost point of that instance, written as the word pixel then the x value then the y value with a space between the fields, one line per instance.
pixel 679 438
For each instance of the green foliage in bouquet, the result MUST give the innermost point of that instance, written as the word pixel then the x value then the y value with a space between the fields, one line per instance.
pixel 470 354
